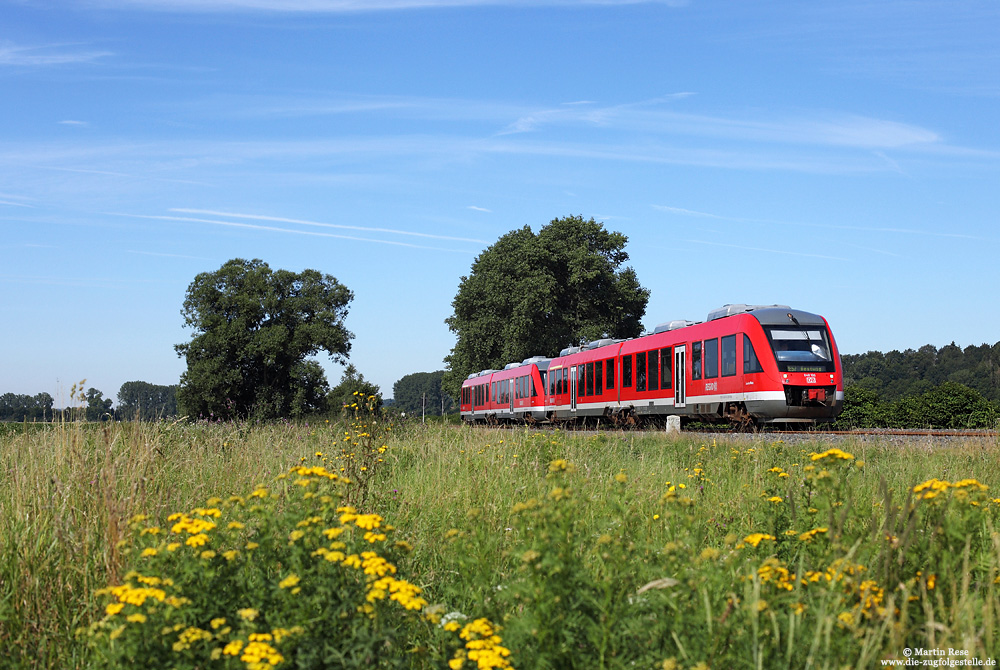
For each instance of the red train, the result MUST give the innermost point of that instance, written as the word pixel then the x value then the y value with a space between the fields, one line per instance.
pixel 744 363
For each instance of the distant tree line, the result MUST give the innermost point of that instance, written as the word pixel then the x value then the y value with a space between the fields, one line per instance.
pixel 421 392
pixel 897 375
pixel 948 387
pixel 20 407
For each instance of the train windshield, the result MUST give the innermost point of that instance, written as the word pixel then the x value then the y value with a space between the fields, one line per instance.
pixel 801 349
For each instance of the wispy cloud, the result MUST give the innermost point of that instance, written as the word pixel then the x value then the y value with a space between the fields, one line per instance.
pixel 340 6
pixel 287 231
pixel 369 229
pixel 70 122
pixel 155 253
pixel 769 251
pixel 479 209
pixel 800 224
pixel 46 54
pixel 686 212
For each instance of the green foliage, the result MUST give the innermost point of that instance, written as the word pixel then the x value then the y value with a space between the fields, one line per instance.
pixel 254 330
pixel 421 392
pixel 950 405
pixel 19 407
pixel 289 577
pixel 895 375
pixel 146 402
pixel 533 294
pixel 98 407
pixel 354 395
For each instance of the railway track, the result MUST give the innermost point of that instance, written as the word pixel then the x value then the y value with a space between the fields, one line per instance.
pixel 933 433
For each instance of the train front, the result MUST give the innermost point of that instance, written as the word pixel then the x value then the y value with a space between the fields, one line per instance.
pixel 802 380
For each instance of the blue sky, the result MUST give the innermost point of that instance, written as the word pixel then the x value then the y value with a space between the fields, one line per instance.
pixel 842 158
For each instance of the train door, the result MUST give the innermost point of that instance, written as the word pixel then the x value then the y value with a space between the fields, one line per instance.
pixel 572 388
pixel 680 376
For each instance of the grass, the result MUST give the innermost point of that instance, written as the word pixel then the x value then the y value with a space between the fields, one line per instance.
pixel 498 532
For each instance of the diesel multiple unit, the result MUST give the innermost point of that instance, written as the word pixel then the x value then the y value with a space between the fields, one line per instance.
pixel 744 363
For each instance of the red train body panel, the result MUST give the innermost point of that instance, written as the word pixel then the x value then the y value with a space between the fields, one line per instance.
pixel 745 363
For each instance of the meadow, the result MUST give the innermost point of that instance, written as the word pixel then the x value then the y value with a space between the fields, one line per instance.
pixel 364 543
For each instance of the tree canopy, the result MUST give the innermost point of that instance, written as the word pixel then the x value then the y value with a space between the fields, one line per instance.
pixel 421 391
pixel 531 294
pixel 254 331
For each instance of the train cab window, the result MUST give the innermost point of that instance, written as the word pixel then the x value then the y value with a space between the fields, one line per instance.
pixel 654 370
pixel 729 356
pixel 627 371
pixel 534 389
pixel 610 369
pixel 750 362
pixel 542 374
pixel 666 359
pixel 696 360
pixel 590 379
pixel 598 378
pixel 640 371
pixel 711 359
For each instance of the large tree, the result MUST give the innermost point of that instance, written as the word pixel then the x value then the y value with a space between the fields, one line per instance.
pixel 254 331
pixel 532 294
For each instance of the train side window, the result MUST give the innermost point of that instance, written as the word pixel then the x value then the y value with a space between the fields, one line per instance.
pixel 711 358
pixel 610 376
pixel 654 370
pixel 750 362
pixel 598 377
pixel 666 361
pixel 729 356
pixel 640 371
pixel 627 371
pixel 696 360
pixel 590 378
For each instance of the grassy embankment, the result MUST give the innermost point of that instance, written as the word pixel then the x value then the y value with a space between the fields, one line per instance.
pixel 755 554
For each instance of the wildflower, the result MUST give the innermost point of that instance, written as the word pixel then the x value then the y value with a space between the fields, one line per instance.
pixel 148 551
pixel 248 613
pixel 775 499
pixel 756 538
pixel 136 618
pixel 114 608
pixel 810 534
pixel 621 478
pixel 196 540
pixel 834 453
pixel 288 582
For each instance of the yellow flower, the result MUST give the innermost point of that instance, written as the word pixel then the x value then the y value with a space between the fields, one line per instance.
pixel 756 538
pixel 148 551
pixel 248 613
pixel 114 608
pixel 136 618
pixel 289 581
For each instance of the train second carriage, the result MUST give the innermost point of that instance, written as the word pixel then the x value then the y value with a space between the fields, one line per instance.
pixel 745 364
